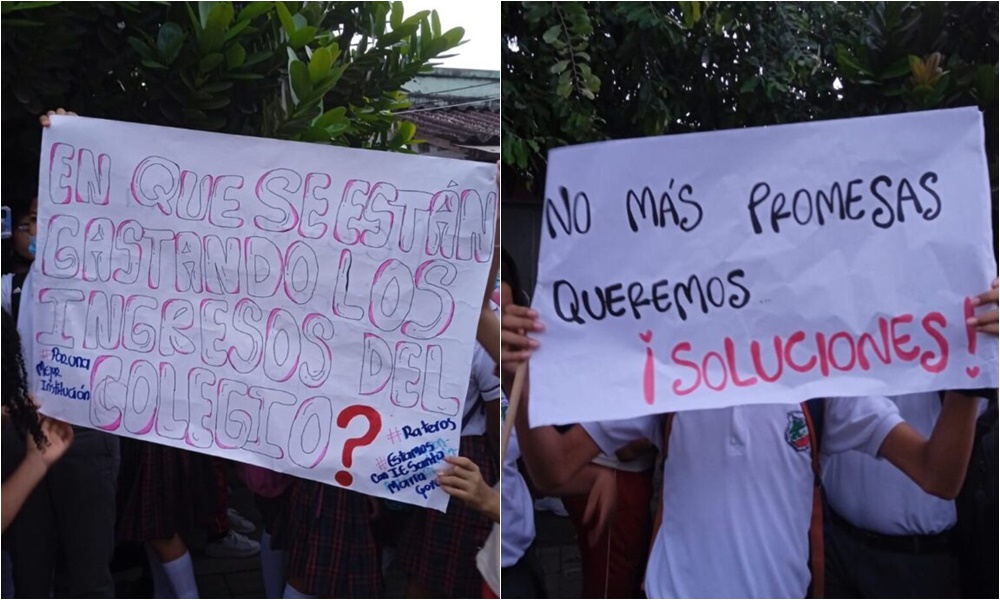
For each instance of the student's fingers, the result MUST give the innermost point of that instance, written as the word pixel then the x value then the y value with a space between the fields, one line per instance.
pixel 517 340
pixel 521 318
pixel 456 483
pixel 988 322
pixel 988 297
pixel 461 462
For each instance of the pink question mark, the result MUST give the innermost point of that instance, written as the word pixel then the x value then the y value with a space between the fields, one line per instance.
pixel 345 417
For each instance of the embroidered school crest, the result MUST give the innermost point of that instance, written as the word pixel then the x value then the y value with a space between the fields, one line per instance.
pixel 797 432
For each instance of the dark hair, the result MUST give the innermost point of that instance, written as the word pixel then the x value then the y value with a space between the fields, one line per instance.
pixel 18 198
pixel 22 411
pixel 509 275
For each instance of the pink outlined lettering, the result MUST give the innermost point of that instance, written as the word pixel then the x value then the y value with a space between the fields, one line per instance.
pixel 350 211
pixel 415 206
pixel 60 299
pixel 93 175
pixel 376 365
pixel 233 393
pixel 262 258
pixel 191 187
pixel 222 276
pixel 173 414
pixel 222 207
pixel 281 325
pixel 341 290
pixel 433 276
pixel 201 407
pixel 143 385
pixel 188 274
pixel 269 400
pixel 158 238
pixel 392 295
pixel 155 183
pixel 99 239
pixel 407 378
pixel 212 331
pixel 278 197
pixel 377 216
pixel 60 154
pixel 137 333
pixel 317 330
pixel 441 226
pixel 476 226
pixel 316 414
pixel 107 398
pixel 130 233
pixel 298 257
pixel 311 202
pixel 248 319
pixel 432 400
pixel 176 317
pixel 62 260
pixel 104 321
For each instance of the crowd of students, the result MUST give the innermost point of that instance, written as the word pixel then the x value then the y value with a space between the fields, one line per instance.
pixel 867 511
pixel 72 495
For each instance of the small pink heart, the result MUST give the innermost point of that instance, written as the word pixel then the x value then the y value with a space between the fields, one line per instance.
pixel 972 372
pixel 646 337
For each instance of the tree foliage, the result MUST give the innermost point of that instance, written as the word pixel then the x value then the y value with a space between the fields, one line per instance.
pixel 579 71
pixel 328 72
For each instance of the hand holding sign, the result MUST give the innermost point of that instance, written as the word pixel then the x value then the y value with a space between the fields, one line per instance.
pixel 987 321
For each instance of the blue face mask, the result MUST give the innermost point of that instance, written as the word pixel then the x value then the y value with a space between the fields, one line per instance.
pixel 31 245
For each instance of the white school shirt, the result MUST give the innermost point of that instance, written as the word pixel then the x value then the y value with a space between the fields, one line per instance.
pixel 484 383
pixel 873 494
pixel 738 493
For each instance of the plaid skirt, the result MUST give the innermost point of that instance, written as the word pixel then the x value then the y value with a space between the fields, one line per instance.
pixel 162 491
pixel 438 550
pixel 328 537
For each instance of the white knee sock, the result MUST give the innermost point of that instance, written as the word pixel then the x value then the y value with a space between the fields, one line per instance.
pixel 181 575
pixel 161 585
pixel 272 567
pixel 291 592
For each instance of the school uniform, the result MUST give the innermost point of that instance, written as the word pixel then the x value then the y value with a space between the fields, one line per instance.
pixel 438 550
pixel 614 565
pixel 737 502
pixel 886 537
pixel 330 544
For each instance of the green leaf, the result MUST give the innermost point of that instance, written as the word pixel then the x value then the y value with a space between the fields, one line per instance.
pixel 298 74
pixel 285 17
pixel 210 61
pixel 258 57
pixel 331 116
pixel 301 37
pixel 139 46
pixel 235 30
pixel 559 66
pixel 315 134
pixel 319 65
pixel 235 56
pixel 254 9
pixel 169 41
pixel 220 16
pixel 396 15
pixel 551 34
pixel 435 24
pixel 204 10
pixel 152 64
pixel 211 39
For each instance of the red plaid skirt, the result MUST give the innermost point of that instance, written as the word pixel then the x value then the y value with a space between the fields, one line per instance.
pixel 162 491
pixel 439 550
pixel 328 536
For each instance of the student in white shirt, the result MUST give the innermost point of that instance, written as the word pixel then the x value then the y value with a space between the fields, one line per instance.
pixel 738 498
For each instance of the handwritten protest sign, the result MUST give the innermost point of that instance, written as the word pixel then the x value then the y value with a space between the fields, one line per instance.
pixel 763 265
pixel 303 308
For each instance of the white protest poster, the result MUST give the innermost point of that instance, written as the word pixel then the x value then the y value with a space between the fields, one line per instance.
pixel 304 308
pixel 763 265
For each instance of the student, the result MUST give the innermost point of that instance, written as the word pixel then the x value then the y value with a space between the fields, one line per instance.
pixel 738 497
pixel 47 439
pixel 63 540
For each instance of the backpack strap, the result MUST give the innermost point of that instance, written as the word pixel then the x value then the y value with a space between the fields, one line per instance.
pixel 813 411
